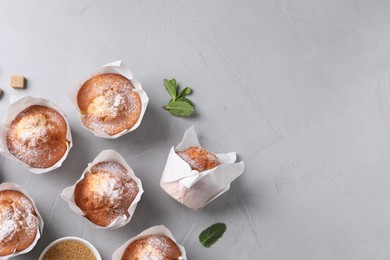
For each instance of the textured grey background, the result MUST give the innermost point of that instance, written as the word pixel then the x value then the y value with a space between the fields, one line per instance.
pixel 299 88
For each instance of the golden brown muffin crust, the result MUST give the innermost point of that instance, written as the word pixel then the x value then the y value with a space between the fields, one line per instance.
pixel 154 247
pixel 108 104
pixel 199 158
pixel 37 136
pixel 18 222
pixel 105 193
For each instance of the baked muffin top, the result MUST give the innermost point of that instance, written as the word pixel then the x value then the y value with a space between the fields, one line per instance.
pixel 18 222
pixel 108 104
pixel 37 136
pixel 105 192
pixel 199 158
pixel 153 247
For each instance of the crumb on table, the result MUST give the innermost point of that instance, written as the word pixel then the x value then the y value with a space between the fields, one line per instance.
pixel 17 81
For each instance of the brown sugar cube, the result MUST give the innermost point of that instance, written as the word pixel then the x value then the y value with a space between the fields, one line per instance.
pixel 1 92
pixel 17 81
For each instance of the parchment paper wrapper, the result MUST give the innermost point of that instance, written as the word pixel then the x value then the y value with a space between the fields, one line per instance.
pixel 106 155
pixel 196 189
pixel 115 67
pixel 156 230
pixel 18 104
pixel 13 186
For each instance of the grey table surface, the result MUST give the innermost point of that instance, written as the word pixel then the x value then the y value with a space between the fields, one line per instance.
pixel 299 88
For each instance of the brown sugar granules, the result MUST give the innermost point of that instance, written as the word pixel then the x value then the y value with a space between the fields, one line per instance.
pixel 69 250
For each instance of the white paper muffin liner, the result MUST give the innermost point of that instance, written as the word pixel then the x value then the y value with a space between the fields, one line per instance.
pixel 13 186
pixel 156 230
pixel 196 189
pixel 106 155
pixel 115 67
pixel 18 105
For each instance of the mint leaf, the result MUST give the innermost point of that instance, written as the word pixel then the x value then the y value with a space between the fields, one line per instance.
pixel 180 99
pixel 173 82
pixel 171 89
pixel 211 234
pixel 180 108
pixel 184 100
pixel 185 92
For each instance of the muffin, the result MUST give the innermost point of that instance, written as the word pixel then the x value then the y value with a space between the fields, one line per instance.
pixel 18 222
pixel 108 104
pixel 199 158
pixel 37 136
pixel 152 247
pixel 105 193
pixel 194 176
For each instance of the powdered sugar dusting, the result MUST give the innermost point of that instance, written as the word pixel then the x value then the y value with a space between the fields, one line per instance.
pixel 161 243
pixel 31 136
pixel 16 218
pixel 9 226
pixel 33 129
pixel 109 186
pixel 157 247
pixel 109 105
pixel 110 122
pixel 114 106
pixel 114 181
pixel 117 101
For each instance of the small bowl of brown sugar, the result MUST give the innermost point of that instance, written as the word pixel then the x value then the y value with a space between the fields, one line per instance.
pixel 70 248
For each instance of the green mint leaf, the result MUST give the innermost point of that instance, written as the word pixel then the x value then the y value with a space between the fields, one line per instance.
pixel 211 234
pixel 171 89
pixel 184 100
pixel 173 82
pixel 185 92
pixel 180 108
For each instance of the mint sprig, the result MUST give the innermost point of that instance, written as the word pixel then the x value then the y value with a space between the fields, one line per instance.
pixel 211 234
pixel 179 105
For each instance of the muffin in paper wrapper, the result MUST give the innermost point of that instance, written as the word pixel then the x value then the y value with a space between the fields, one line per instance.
pixel 13 186
pixel 18 104
pixel 106 155
pixel 115 67
pixel 196 189
pixel 156 230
